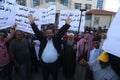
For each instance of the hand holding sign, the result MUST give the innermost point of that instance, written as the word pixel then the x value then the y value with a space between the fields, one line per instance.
pixel 31 19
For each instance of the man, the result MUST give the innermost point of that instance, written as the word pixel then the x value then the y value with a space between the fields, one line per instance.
pixel 50 48
pixel 84 46
pixel 103 37
pixel 5 62
pixel 96 50
pixel 101 68
pixel 20 55
pixel 69 57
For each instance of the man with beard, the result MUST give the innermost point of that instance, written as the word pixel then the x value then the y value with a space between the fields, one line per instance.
pixel 69 57
pixel 20 55
pixel 50 48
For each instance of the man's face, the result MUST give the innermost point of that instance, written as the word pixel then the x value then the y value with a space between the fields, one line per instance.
pixel 96 44
pixel 49 33
pixel 19 35
pixel 70 37
pixel 70 40
pixel 103 36
pixel 86 36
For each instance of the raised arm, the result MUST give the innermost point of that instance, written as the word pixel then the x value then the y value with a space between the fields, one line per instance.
pixel 12 33
pixel 63 29
pixel 37 32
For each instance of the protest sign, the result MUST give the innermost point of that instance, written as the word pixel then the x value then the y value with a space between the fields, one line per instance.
pixel 48 15
pixel 7 13
pixel 21 18
pixel 112 42
pixel 75 17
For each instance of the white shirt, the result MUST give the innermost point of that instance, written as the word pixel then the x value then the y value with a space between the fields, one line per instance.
pixel 49 54
pixel 94 54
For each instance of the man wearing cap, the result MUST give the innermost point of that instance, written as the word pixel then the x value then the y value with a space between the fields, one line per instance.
pixel 101 68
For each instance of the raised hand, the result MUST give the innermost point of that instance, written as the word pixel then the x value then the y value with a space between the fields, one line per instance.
pixel 31 19
pixel 68 20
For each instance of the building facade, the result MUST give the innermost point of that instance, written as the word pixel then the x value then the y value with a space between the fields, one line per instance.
pixel 70 4
pixel 99 18
pixel 100 4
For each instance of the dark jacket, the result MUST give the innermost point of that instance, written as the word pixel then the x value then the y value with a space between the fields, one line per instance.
pixel 56 38
pixel 69 60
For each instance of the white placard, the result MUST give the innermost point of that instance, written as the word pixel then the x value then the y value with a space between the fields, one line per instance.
pixel 7 13
pixel 21 18
pixel 48 15
pixel 75 17
pixel 112 43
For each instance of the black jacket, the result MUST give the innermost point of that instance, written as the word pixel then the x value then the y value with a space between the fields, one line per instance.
pixel 56 38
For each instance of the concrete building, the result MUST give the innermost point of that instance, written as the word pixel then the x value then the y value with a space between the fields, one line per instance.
pixel 99 18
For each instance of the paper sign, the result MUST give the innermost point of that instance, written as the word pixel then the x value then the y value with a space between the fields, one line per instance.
pixel 75 17
pixel 21 18
pixel 7 13
pixel 48 15
pixel 112 42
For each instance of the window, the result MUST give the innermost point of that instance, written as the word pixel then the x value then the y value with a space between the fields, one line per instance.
pixel 36 3
pixel 64 2
pixel 50 1
pixel 21 2
pixel 87 6
pixel 88 17
pixel 96 20
pixel 77 6
pixel 99 4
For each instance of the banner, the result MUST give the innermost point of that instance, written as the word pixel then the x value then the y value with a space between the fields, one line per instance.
pixel 48 15
pixel 75 17
pixel 112 42
pixel 7 13
pixel 21 18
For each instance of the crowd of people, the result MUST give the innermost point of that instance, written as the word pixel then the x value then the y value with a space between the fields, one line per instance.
pixel 80 57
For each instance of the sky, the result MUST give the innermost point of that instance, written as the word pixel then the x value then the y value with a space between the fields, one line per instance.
pixel 112 5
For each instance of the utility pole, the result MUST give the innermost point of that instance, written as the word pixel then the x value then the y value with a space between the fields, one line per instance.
pixel 80 21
